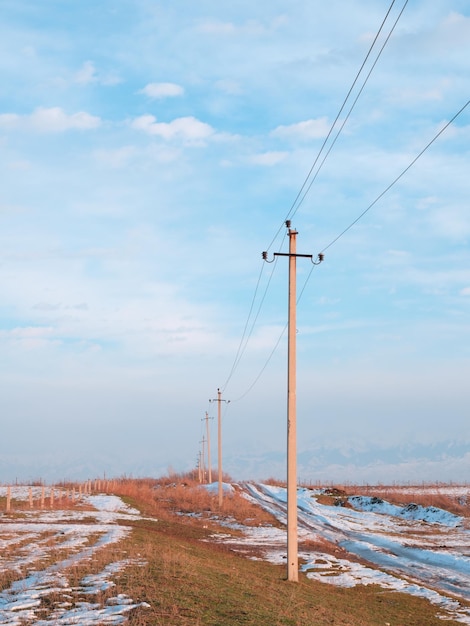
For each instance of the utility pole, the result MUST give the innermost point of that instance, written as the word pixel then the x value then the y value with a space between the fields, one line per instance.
pixel 199 466
pixel 203 457
pixel 219 443
pixel 207 418
pixel 292 535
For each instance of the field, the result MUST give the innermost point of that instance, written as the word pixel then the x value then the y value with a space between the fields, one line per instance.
pixel 162 552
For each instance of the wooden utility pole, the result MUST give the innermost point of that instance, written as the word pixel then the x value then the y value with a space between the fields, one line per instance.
pixel 292 556
pixel 292 535
pixel 219 444
pixel 203 461
pixel 199 466
pixel 207 418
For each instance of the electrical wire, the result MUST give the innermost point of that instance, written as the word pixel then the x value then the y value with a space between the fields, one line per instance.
pixel 293 206
pixel 381 195
pixel 277 342
pixel 235 362
pixel 241 350
pixel 428 145
pixel 300 198
pixel 264 366
pixel 350 111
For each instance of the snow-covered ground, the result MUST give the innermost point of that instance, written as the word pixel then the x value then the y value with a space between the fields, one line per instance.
pixel 423 551
pixel 27 546
pixel 412 549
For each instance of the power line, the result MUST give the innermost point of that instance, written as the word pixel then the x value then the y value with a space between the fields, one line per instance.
pixel 350 110
pixel 264 366
pixel 398 177
pixel 291 211
pixel 236 360
pixel 277 342
pixel 299 198
pixel 428 145
pixel 241 350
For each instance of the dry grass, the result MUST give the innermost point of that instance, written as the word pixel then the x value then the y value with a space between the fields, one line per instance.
pixel 62 500
pixel 182 494
pixel 187 582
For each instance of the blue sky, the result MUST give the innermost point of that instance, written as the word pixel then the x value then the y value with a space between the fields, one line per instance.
pixel 150 152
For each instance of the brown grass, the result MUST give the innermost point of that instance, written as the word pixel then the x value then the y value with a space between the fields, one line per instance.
pixel 187 582
pixel 184 495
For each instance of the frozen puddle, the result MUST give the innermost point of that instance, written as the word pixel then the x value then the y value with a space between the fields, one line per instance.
pixel 27 546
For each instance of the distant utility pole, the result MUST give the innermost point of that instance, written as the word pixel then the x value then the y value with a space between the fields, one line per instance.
pixel 207 418
pixel 199 466
pixel 203 457
pixel 292 538
pixel 219 443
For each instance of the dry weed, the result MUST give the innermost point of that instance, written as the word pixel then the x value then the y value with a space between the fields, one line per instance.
pixel 183 494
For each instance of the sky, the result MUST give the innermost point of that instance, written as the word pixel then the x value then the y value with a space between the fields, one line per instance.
pixel 150 153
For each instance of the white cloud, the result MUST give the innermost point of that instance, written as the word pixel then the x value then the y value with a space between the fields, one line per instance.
pixel 9 120
pixel 162 90
pixel 427 202
pixel 309 129
pixel 249 27
pixel 465 291
pixel 456 28
pixel 31 331
pixel 186 128
pixel 218 27
pixel 415 95
pixel 120 157
pixel 51 120
pixel 110 79
pixel 30 337
pixel 11 209
pixel 56 120
pixel 451 222
pixel 19 164
pixel 86 74
pixel 230 87
pixel 268 158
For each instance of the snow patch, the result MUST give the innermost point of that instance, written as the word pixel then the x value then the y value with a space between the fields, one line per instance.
pixel 411 511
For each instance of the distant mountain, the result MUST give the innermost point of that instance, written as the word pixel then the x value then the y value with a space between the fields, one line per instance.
pixel 56 468
pixel 446 461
